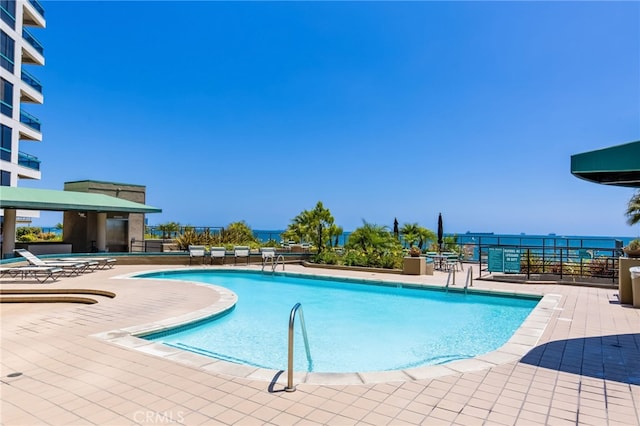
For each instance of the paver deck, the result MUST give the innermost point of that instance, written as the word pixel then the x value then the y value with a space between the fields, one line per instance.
pixel 55 369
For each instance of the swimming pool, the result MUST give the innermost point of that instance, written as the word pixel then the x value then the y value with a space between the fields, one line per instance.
pixel 351 326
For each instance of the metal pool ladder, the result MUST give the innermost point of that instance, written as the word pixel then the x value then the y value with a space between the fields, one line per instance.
pixel 274 262
pixel 468 282
pixel 290 387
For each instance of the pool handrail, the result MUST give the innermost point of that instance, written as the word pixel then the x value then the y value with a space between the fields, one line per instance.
pixel 290 387
pixel 468 282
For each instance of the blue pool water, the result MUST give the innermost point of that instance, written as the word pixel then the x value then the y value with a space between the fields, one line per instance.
pixel 351 327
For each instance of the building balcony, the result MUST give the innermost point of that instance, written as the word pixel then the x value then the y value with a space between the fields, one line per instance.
pixel 30 121
pixel 33 42
pixel 31 91
pixel 28 161
pixel 33 14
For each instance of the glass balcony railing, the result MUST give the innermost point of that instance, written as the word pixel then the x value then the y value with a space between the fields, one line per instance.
pixel 30 120
pixel 37 6
pixel 29 161
pixel 29 38
pixel 31 81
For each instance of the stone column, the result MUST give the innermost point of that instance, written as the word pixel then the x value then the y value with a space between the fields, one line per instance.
pixel 9 233
pixel 101 231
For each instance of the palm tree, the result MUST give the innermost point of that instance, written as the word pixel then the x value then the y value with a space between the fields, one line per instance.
pixel 312 226
pixel 410 233
pixel 334 232
pixel 371 238
pixel 425 236
pixel 633 209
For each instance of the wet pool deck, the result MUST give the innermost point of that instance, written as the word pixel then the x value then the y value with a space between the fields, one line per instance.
pixel 578 363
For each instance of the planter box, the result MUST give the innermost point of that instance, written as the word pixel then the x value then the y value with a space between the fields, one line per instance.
pixel 415 266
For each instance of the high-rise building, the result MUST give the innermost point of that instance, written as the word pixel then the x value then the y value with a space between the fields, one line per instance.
pixel 20 53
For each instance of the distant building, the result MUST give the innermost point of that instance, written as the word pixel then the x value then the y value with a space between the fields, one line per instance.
pixel 20 53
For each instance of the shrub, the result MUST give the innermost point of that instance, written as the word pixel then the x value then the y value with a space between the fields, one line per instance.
pixel 27 238
pixel 355 258
pixel 327 257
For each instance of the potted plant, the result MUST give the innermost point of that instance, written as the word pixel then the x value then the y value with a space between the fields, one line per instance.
pixel 633 249
pixel 415 251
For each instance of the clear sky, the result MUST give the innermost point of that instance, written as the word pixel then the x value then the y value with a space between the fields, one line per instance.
pixel 255 111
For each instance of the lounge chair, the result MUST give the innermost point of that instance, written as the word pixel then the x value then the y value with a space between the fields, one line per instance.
pixel 69 267
pixel 102 262
pixel 40 273
pixel 268 255
pixel 241 252
pixel 218 253
pixel 195 252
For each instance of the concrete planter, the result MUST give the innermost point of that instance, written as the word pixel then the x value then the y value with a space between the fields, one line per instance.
pixel 414 266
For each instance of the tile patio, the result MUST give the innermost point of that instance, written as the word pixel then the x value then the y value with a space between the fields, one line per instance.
pixel 584 367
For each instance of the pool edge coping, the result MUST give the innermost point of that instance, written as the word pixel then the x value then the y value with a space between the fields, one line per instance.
pixel 525 338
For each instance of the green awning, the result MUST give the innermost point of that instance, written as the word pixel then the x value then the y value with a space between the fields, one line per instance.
pixel 48 199
pixel 616 165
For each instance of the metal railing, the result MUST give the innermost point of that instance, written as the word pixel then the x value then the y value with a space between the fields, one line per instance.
pixel 29 38
pixel 292 317
pixel 37 6
pixel 29 161
pixel 586 262
pixel 31 80
pixel 30 120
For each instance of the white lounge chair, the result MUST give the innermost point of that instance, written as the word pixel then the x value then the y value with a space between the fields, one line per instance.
pixel 40 273
pixel 268 253
pixel 195 252
pixel 102 262
pixel 218 253
pixel 241 252
pixel 70 268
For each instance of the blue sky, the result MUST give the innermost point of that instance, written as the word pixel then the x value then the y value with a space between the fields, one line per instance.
pixel 255 111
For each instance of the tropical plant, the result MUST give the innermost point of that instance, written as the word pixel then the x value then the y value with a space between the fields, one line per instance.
pixel 187 238
pixel 633 209
pixel 313 226
pixel 410 233
pixel 169 229
pixel 425 236
pixel 327 257
pixel 238 233
pixel 413 233
pixel 371 245
pixel 333 233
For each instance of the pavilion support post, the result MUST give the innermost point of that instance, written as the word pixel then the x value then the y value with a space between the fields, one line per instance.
pixel 8 233
pixel 101 231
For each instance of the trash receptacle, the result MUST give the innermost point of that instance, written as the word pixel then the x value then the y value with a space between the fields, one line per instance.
pixel 635 285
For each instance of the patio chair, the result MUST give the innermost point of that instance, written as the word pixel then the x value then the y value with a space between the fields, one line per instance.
pixel 39 273
pixel 195 252
pixel 218 253
pixel 69 267
pixel 241 252
pixel 451 262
